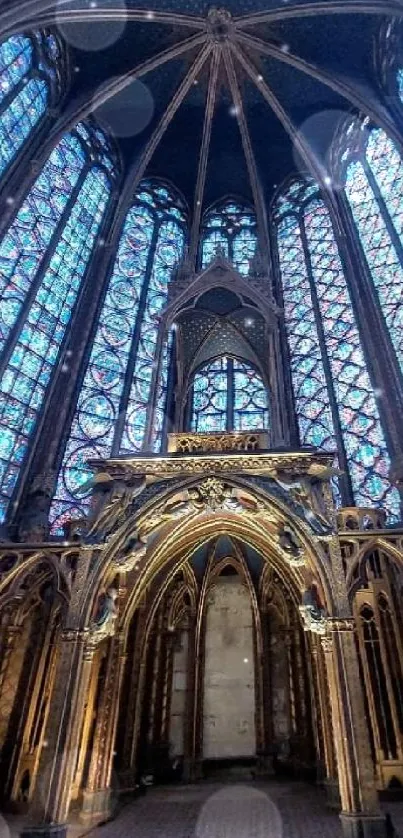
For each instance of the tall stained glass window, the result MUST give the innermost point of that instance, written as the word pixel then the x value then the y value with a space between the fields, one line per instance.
pixel 229 228
pixel 228 395
pixel 333 394
pixel 44 256
pixel 374 190
pixel 114 410
pixel 29 81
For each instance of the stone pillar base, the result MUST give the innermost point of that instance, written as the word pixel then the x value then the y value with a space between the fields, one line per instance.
pixel 97 806
pixel 54 830
pixel 332 791
pixel 362 826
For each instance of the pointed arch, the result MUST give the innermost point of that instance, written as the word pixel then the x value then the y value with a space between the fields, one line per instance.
pixel 229 226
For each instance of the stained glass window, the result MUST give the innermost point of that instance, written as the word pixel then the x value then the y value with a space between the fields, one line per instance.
pixel 327 360
pixel 45 254
pixel 29 80
pixel 230 229
pixel 118 380
pixel 228 394
pixel 374 190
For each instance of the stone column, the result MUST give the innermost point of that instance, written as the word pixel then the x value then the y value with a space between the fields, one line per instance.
pixel 58 760
pixel 326 736
pixel 361 816
pixel 97 803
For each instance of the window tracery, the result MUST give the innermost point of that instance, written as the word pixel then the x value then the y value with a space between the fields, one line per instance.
pixel 29 82
pixel 333 394
pixel 45 254
pixel 231 228
pixel 113 404
pixel 228 395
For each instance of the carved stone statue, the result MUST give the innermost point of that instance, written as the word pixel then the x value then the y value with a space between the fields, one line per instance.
pixel 289 542
pixel 312 612
pixel 300 494
pixel 107 612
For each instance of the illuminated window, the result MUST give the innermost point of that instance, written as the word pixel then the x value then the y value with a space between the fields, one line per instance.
pixel 231 229
pixel 333 394
pixel 44 256
pixel 227 395
pixel 29 81
pixel 113 410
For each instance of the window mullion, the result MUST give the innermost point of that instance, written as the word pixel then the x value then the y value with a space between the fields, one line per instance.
pixel 35 285
pixel 131 365
pixel 345 483
pixel 230 394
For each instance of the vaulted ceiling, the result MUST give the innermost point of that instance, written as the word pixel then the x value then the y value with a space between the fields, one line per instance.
pixel 229 97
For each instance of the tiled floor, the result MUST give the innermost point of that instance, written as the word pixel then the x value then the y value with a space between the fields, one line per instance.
pixel 244 810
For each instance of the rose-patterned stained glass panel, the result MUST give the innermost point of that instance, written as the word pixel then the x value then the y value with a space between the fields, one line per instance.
pixel 308 376
pixel 41 330
pixel 168 252
pixel 97 409
pixel 361 428
pixel 26 243
pixel 210 393
pixel 27 77
pixel 231 229
pixel 383 261
pixel 251 408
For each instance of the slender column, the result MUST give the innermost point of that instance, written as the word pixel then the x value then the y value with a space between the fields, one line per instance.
pixel 361 816
pixel 58 761
pixel 10 640
pixel 190 705
pixel 97 802
pixel 326 735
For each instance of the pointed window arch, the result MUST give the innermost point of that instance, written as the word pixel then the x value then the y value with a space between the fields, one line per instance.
pixel 44 256
pixel 30 81
pixel 374 189
pixel 228 394
pixel 113 411
pixel 231 228
pixel 333 394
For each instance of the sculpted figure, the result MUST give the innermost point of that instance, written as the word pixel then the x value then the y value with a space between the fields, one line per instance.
pixel 107 610
pixel 110 509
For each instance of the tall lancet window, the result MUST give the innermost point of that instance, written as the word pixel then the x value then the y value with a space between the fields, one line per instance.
pixel 374 190
pixel 229 228
pixel 44 256
pixel 333 394
pixel 121 403
pixel 228 395
pixel 29 82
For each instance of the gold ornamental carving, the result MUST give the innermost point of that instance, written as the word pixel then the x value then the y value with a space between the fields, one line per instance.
pixel 197 442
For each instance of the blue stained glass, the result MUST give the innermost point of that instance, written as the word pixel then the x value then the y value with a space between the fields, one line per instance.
pixel 232 229
pixel 36 348
pixel 363 436
pixel 380 253
pixel 168 252
pixel 15 62
pixel 308 375
pixel 212 386
pixel 97 409
pixel 20 117
pixel 24 245
pixel 148 222
pixel 25 85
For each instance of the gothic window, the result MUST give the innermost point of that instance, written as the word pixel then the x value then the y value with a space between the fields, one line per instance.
pixel 29 81
pixel 44 256
pixel 231 229
pixel 228 395
pixel 373 187
pixel 333 394
pixel 113 409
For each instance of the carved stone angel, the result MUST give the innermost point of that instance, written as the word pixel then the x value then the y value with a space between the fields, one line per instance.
pixel 111 506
